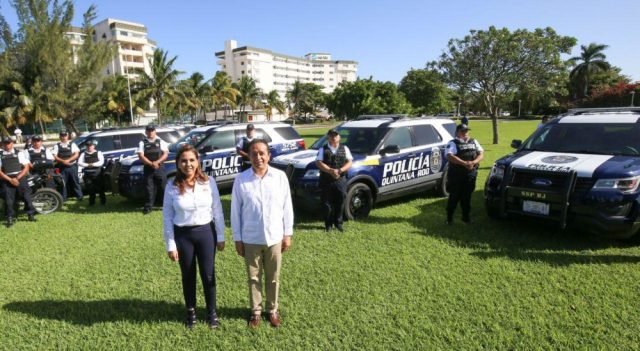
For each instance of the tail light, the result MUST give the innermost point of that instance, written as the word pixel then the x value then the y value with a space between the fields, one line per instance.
pixel 301 144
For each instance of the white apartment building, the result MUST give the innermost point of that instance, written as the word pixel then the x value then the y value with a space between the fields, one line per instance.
pixel 134 47
pixel 279 71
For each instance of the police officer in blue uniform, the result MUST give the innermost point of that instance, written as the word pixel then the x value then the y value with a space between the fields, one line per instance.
pixel 333 161
pixel 243 146
pixel 91 161
pixel 66 153
pixel 41 160
pixel 464 155
pixel 14 168
pixel 153 151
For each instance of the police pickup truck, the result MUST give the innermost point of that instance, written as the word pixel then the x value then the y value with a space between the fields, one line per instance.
pixel 581 168
pixel 217 146
pixel 392 156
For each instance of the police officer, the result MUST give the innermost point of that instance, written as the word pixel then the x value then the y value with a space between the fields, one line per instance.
pixel 153 151
pixel 91 161
pixel 464 155
pixel 333 161
pixel 14 167
pixel 66 153
pixel 41 159
pixel 243 146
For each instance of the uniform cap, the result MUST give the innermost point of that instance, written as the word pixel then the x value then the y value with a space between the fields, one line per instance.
pixel 89 142
pixel 150 127
pixel 36 138
pixel 250 126
pixel 7 140
pixel 332 131
pixel 462 127
pixel 63 133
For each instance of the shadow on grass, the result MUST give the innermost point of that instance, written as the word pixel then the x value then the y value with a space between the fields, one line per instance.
pixel 557 259
pixel 87 313
pixel 513 235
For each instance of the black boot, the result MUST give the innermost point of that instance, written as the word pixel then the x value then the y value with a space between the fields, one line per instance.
pixel 212 320
pixel 31 218
pixel 10 221
pixel 191 318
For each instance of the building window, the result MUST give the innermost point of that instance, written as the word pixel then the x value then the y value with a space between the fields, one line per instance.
pixel 242 63
pixel 124 33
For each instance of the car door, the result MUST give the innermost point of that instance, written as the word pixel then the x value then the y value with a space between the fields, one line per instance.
pixel 394 166
pixel 430 147
pixel 219 156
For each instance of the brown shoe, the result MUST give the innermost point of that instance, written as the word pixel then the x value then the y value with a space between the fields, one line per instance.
pixel 274 319
pixel 254 321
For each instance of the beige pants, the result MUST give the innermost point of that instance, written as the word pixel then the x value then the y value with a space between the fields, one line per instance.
pixel 259 258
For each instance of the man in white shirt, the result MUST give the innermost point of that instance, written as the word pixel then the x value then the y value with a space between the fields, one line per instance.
pixel 14 167
pixel 262 225
pixel 66 153
pixel 18 134
pixel 153 151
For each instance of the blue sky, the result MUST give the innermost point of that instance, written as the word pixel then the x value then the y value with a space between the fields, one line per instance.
pixel 387 38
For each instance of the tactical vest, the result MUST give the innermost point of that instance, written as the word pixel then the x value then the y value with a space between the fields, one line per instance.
pixel 91 157
pixel 64 152
pixel 152 150
pixel 332 160
pixel 38 156
pixel 467 151
pixel 10 163
pixel 245 146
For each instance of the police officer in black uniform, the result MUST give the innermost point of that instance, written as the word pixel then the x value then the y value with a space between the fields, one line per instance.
pixel 153 151
pixel 66 153
pixel 243 146
pixel 464 155
pixel 41 160
pixel 14 168
pixel 91 161
pixel 333 161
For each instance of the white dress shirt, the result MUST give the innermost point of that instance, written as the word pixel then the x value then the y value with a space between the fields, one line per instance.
pixel 197 206
pixel 333 150
pixel 83 164
pixel 261 209
pixel 164 146
pixel 47 153
pixel 452 149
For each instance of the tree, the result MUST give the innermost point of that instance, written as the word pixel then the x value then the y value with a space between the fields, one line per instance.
pixel 305 98
pixel 16 104
pixel 365 96
pixel 426 90
pixel 273 102
pixel 114 102
pixel 591 60
pixel 248 93
pixel 223 94
pixel 496 62
pixel 160 82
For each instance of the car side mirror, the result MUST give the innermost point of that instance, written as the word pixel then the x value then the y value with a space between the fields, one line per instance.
pixel 390 149
pixel 515 143
pixel 208 148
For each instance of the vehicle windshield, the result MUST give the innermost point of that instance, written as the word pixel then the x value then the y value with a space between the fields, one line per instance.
pixel 79 140
pixel 358 140
pixel 588 138
pixel 193 138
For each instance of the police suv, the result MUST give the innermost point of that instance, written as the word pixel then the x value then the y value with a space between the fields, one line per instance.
pixel 392 156
pixel 582 168
pixel 218 155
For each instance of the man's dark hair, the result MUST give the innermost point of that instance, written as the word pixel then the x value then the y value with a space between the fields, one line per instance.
pixel 259 141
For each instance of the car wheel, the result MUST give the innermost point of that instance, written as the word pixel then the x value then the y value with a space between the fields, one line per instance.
pixel 46 200
pixel 492 211
pixel 441 189
pixel 359 201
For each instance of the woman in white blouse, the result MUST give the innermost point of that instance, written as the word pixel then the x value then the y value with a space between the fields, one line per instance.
pixel 193 229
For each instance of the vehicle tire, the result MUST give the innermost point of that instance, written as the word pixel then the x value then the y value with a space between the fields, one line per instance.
pixel 359 201
pixel 441 189
pixel 46 200
pixel 113 177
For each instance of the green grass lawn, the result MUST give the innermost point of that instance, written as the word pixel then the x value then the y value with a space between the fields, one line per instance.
pixel 98 278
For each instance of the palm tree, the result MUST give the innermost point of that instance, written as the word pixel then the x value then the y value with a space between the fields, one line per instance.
pixel 223 94
pixel 593 60
pixel 15 105
pixel 248 93
pixel 297 97
pixel 161 82
pixel 273 101
pixel 199 94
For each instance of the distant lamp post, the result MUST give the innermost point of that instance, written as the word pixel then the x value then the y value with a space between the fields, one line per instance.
pixel 459 103
pixel 519 105
pixel 633 94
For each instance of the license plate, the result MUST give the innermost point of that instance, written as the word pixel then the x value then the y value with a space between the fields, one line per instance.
pixel 535 207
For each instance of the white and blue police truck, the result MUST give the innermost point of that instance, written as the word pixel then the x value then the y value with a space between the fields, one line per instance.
pixel 393 155
pixel 580 169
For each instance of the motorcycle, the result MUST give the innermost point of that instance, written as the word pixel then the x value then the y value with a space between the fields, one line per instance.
pixel 45 183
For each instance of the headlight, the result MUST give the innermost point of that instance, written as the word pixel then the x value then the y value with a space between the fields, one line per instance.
pixel 312 173
pixel 136 169
pixel 625 185
pixel 497 171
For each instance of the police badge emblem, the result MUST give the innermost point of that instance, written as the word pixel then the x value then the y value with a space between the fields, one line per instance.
pixel 435 160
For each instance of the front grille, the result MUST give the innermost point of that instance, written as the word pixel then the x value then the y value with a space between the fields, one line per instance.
pixel 534 180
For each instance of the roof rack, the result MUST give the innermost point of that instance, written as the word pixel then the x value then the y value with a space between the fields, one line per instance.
pixel 219 123
pixel 579 111
pixel 394 117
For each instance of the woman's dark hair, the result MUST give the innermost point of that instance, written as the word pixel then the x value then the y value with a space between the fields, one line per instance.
pixel 180 180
